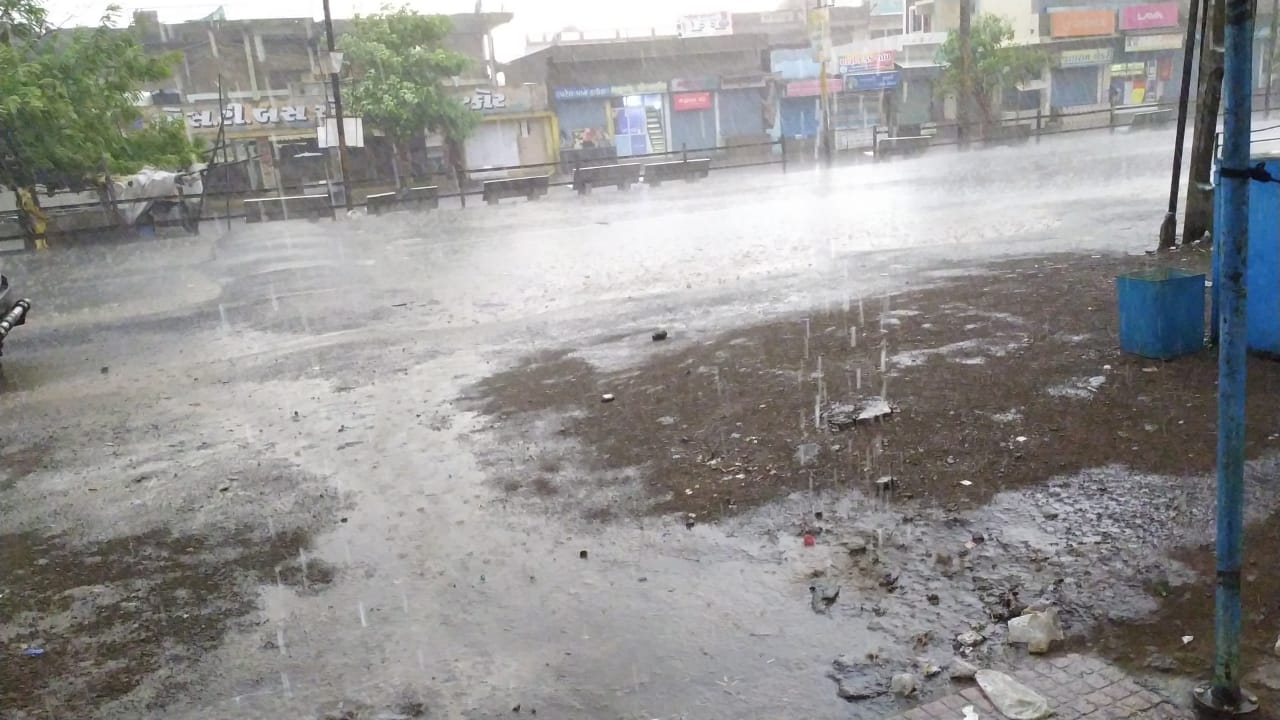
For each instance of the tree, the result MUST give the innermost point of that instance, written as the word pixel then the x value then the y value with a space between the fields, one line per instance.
pixel 399 68
pixel 1198 218
pixel 67 103
pixel 994 63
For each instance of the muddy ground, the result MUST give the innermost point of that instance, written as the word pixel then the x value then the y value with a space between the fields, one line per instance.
pixel 999 380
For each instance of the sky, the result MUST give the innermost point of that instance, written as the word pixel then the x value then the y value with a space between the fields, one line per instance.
pixel 532 17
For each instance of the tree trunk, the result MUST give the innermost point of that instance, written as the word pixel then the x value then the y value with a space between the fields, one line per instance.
pixel 1198 218
pixel 964 103
pixel 395 163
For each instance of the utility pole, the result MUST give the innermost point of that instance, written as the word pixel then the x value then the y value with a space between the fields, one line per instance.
pixel 1224 695
pixel 822 19
pixel 337 106
pixel 966 80
pixel 1169 227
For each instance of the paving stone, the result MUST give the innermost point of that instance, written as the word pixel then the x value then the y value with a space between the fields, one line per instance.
pixel 915 714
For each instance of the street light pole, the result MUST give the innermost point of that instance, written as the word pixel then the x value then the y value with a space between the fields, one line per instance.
pixel 1169 227
pixel 337 108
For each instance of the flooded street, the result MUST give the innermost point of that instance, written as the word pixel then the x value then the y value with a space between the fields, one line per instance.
pixel 274 471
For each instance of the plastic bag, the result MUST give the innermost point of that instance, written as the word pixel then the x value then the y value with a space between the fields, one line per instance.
pixel 1038 629
pixel 1013 699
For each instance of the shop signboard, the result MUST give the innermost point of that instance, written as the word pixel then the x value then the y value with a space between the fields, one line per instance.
pixel 871 81
pixel 649 88
pixel 1083 58
pixel 1148 43
pixel 582 92
pixel 744 82
pixel 869 63
pixel 1081 23
pixel 705 25
pixel 694 84
pixel 1149 15
pixel 811 87
pixel 681 102
pixel 239 114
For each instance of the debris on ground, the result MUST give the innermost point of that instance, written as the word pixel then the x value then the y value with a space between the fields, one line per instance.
pixel 33 651
pixel 841 416
pixel 606 398
pixel 970 638
pixel 809 540
pixel 903 684
pixel 1013 699
pixel 822 596
pixel 1037 628
pixel 857 679
pixel 962 669
pixel 927 667
pixel 660 335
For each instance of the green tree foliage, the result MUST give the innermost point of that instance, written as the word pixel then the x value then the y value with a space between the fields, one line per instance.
pixel 995 63
pixel 67 102
pixel 399 67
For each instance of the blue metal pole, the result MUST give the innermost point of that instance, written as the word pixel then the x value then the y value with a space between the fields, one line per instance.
pixel 1226 694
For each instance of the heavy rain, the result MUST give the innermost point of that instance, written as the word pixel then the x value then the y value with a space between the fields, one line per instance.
pixel 777 435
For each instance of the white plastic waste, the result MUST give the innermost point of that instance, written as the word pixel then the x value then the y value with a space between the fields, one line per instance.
pixel 1037 628
pixel 1013 699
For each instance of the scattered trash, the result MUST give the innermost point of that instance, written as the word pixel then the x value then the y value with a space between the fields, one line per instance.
pixel 1013 699
pixel 889 581
pixel 606 398
pixel 842 416
pixel 969 712
pixel 884 485
pixel 666 420
pixel 809 540
pixel 823 596
pixel 933 598
pixel 104 370
pixel 971 638
pixel 33 651
pixel 962 669
pixel 927 667
pixel 903 684
pixel 582 554
pixel 1021 438
pixel 660 335
pixel 951 460
pixel 817 514
pixel 966 483
pixel 1038 629
pixel 1186 639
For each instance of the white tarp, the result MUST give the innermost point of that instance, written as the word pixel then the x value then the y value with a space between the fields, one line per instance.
pixel 155 190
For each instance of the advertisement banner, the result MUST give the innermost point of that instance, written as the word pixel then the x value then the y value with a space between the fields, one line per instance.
pixel 691 101
pixel 874 81
pixel 1082 23
pixel 649 88
pixel 743 82
pixel 1147 43
pixel 870 63
pixel 1151 15
pixel 582 92
pixel 705 25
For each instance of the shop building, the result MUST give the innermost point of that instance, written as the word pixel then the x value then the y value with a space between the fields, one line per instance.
pixel 516 128
pixel 1150 69
pixel 261 83
pixel 1082 49
pixel 636 97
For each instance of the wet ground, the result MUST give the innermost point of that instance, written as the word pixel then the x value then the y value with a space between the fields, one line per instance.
pixel 305 470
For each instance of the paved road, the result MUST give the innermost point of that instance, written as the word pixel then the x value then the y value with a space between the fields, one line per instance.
pixel 246 456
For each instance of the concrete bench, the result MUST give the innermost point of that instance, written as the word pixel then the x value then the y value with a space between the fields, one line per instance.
pixel 1152 118
pixel 530 187
pixel 904 145
pixel 690 170
pixel 1009 134
pixel 294 207
pixel 623 176
pixel 419 198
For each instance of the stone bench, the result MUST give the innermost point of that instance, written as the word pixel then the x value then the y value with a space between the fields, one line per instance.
pixel 419 198
pixel 529 187
pixel 904 145
pixel 294 207
pixel 623 176
pixel 690 170
pixel 1152 118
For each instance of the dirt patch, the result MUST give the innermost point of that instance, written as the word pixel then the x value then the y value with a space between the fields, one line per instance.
pixel 1154 644
pixel 999 380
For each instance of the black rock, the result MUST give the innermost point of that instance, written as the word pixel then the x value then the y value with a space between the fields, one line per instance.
pixel 660 335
